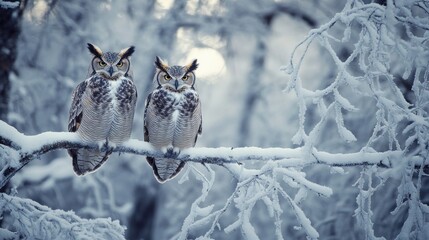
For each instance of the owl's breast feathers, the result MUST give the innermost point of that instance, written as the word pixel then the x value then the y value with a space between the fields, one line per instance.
pixel 189 104
pixel 122 93
pixel 126 95
pixel 172 119
pixel 166 102
pixel 98 93
pixel 101 110
pixel 107 109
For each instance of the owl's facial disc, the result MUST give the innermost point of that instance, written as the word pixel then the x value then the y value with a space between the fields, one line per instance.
pixel 112 71
pixel 178 83
pixel 109 71
pixel 172 84
pixel 175 78
pixel 111 65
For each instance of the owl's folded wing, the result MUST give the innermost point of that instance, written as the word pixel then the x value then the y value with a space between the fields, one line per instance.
pixel 75 114
pixel 146 132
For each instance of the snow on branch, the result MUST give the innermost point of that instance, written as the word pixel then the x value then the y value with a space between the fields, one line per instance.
pixel 35 221
pixel 31 147
pixel 6 5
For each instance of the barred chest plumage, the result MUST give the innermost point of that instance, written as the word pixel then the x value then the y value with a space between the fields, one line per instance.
pixel 107 94
pixel 173 118
pixel 108 108
pixel 167 102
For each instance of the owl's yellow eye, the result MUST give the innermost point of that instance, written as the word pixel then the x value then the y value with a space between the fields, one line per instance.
pixel 102 64
pixel 184 78
pixel 167 77
pixel 120 64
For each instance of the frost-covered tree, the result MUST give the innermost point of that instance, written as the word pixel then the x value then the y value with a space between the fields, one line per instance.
pixel 341 129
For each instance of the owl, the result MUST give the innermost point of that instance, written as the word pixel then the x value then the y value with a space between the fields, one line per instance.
pixel 102 108
pixel 172 118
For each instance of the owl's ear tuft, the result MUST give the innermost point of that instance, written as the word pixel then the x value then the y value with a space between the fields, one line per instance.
pixel 127 52
pixel 159 63
pixel 192 66
pixel 95 50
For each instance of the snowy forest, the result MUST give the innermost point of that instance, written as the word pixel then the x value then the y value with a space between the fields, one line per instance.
pixel 315 120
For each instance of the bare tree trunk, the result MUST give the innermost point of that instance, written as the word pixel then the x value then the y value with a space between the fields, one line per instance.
pixel 142 217
pixel 10 22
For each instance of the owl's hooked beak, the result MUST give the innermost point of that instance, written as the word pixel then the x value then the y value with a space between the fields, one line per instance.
pixel 111 70
pixel 176 84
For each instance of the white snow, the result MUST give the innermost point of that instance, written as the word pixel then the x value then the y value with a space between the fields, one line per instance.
pixel 244 153
pixel 56 224
pixel 6 5
pixel 299 178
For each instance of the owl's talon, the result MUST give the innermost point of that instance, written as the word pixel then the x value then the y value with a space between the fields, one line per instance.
pixel 111 146
pixel 171 153
pixel 176 151
pixel 106 146
pixel 102 145
pixel 164 150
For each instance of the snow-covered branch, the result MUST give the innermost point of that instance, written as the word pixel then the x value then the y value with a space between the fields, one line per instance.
pixel 4 4
pixel 30 147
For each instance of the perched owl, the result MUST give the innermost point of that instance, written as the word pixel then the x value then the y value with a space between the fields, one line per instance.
pixel 172 118
pixel 102 108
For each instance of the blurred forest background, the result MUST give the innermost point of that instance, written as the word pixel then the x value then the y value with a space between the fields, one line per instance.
pixel 241 46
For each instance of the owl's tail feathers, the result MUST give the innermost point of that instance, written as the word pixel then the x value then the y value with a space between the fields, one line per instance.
pixel 165 168
pixel 87 160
